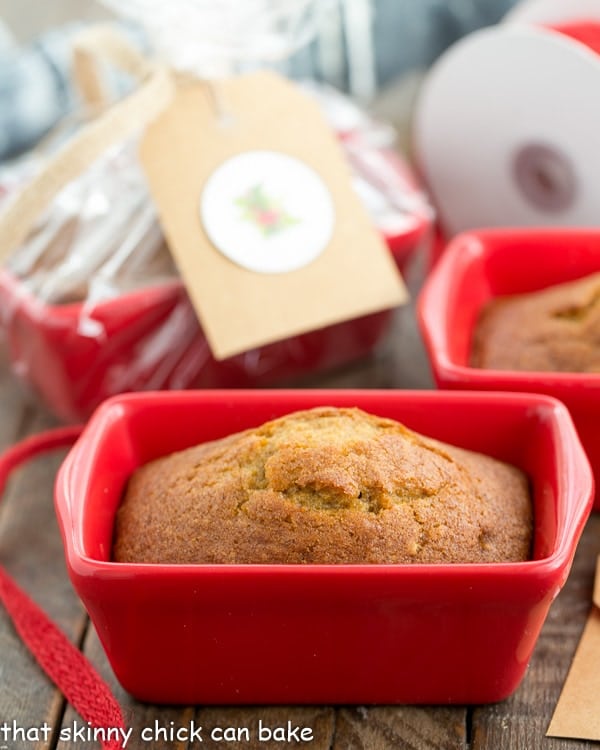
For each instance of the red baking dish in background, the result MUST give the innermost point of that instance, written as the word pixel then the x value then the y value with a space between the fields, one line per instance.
pixel 478 266
pixel 234 634
pixel 72 371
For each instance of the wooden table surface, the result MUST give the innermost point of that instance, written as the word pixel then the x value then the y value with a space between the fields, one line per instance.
pixel 30 548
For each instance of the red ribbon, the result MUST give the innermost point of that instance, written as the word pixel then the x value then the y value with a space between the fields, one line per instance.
pixel 64 664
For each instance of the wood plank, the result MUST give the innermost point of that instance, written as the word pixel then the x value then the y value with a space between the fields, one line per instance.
pixel 522 720
pixel 13 409
pixel 318 719
pixel 31 551
pixel 138 716
pixel 406 727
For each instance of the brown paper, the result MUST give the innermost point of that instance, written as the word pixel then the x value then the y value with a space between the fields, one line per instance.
pixel 241 309
pixel 577 714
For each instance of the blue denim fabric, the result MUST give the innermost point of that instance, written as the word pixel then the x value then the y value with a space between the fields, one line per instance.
pixel 35 88
pixel 412 33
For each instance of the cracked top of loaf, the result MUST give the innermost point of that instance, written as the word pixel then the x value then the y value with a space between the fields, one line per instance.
pixel 326 485
pixel 554 329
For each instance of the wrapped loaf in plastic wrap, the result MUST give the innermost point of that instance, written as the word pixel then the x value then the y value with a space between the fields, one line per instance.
pixel 91 303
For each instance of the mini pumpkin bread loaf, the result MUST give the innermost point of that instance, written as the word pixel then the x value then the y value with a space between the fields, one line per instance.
pixel 555 329
pixel 326 485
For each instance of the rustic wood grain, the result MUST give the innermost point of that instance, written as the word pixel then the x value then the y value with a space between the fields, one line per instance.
pixel 320 720
pixel 522 720
pixel 406 727
pixel 31 551
pixel 13 409
pixel 137 716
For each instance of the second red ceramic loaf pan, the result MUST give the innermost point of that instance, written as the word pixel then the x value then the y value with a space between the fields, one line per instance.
pixel 150 339
pixel 480 266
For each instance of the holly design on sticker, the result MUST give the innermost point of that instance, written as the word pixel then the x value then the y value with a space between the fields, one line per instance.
pixel 264 211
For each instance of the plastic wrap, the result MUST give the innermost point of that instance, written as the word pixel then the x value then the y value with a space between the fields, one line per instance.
pixel 91 303
pixel 207 38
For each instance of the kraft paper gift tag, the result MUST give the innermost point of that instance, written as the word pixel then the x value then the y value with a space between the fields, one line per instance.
pixel 257 205
pixel 577 714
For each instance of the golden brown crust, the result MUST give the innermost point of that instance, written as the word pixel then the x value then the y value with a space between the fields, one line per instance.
pixel 325 486
pixel 555 329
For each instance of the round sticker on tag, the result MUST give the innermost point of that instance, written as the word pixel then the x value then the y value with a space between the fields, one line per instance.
pixel 267 211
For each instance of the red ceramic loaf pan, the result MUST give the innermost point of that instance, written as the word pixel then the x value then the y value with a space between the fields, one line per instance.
pixel 234 634
pixel 478 266
pixel 150 339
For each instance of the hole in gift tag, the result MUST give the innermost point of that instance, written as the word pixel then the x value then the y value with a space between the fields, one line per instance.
pixel 267 211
